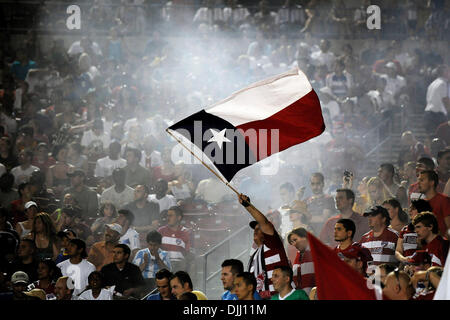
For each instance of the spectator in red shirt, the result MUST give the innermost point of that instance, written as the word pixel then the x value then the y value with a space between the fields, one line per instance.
pixel 351 252
pixel 426 226
pixel 381 240
pixel 303 266
pixel 421 165
pixel 407 239
pixel 428 181
pixel 443 168
pixel 176 239
pixel 345 198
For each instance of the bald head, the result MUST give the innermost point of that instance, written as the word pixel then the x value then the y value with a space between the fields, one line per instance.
pixel 398 286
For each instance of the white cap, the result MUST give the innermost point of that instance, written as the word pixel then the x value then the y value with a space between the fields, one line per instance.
pixel 115 227
pixel 29 204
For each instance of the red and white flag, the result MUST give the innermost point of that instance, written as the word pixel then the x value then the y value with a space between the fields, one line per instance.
pixel 264 118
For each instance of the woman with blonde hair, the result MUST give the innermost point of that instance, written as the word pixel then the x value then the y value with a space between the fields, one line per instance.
pixel 43 233
pixel 375 190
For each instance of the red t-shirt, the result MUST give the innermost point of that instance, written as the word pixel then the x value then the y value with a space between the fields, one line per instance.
pixel 303 269
pixel 327 233
pixel 441 208
pixel 438 250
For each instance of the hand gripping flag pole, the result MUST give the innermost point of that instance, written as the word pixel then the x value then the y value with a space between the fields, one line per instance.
pixel 203 163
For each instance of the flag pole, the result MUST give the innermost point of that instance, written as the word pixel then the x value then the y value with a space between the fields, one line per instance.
pixel 207 166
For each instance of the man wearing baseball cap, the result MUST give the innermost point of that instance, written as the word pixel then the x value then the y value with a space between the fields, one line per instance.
pixel 270 252
pixel 101 252
pixel 380 240
pixel 19 281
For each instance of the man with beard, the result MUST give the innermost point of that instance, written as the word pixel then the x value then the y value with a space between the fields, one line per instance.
pixel 101 252
pixel 350 252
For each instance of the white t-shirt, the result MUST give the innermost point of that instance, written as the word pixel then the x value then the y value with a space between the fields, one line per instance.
pixel 21 175
pixel 76 48
pixel 333 107
pixel 131 239
pixel 319 58
pixel 212 190
pixel 105 294
pixel 437 90
pixel 105 166
pixel 118 199
pixel 394 85
pixel 164 203
pixel 148 126
pixel 155 159
pixel 78 272
pixel 2 169
pixel 89 138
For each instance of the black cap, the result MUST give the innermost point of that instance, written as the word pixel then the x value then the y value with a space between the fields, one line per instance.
pixel 76 172
pixel 72 211
pixel 373 211
pixel 253 224
pixel 65 233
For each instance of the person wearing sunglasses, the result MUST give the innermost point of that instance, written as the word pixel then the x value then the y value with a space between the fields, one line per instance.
pixel 398 286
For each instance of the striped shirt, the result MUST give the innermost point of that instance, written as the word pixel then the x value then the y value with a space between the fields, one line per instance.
pixel 381 248
pixel 409 240
pixel 176 242
pixel 131 239
pixel 152 267
pixel 269 255
pixel 303 269
pixel 438 250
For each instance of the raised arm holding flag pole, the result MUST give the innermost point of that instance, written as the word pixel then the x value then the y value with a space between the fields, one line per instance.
pixel 265 118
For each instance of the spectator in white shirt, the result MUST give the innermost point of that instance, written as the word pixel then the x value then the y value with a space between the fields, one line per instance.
pixel 328 101
pixel 324 56
pixel 129 236
pixel 105 166
pixel 438 102
pixel 394 82
pixel 95 139
pixel 119 194
pixel 96 291
pixel 23 171
pixel 161 197
pixel 84 45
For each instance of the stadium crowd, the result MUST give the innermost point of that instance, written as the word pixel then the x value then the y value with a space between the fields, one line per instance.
pixel 97 205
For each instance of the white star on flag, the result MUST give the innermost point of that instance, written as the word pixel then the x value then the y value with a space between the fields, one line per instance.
pixel 219 137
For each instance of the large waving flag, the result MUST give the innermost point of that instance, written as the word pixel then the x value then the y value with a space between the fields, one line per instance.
pixel 266 117
pixel 443 289
pixel 335 279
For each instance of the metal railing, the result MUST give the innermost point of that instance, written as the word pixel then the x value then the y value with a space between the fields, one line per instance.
pixel 227 244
